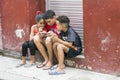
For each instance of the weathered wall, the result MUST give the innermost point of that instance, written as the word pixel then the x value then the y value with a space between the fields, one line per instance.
pixel 102 35
pixel 101 30
pixel 1 46
pixel 17 18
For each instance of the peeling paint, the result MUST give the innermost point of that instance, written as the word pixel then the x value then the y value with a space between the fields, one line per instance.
pixel 91 13
pixel 80 66
pixel 85 67
pixel 107 39
pixel 94 60
pixel 19 32
pixel 69 62
pixel 76 66
pixel 117 51
pixel 118 47
pixel 109 19
pixel 89 67
pixel 105 42
pixel 99 56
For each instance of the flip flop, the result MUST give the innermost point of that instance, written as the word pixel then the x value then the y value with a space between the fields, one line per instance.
pixel 20 65
pixel 47 67
pixel 40 65
pixel 54 67
pixel 29 65
pixel 55 72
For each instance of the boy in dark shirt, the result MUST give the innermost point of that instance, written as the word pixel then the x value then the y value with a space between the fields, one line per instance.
pixel 68 46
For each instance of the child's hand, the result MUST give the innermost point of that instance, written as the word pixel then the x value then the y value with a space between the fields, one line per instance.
pixel 43 33
pixel 40 29
pixel 75 48
pixel 55 39
pixel 50 33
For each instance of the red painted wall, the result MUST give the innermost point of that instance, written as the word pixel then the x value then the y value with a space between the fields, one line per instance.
pixel 17 18
pixel 101 30
pixel 102 35
pixel 0 28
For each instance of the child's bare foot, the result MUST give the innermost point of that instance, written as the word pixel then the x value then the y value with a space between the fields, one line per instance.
pixel 45 62
pixel 40 65
pixel 48 66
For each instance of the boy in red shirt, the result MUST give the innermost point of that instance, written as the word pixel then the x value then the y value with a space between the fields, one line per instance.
pixel 44 40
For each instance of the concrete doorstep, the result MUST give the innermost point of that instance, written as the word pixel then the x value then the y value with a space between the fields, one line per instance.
pixel 8 71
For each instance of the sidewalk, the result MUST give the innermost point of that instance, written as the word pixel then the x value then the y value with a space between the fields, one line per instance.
pixel 9 72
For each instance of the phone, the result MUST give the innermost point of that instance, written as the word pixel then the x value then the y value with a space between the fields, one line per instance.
pixel 48 34
pixel 43 33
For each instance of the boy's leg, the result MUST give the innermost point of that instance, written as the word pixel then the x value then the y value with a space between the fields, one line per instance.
pixel 55 49
pixel 39 44
pixel 56 39
pixel 49 44
pixel 61 50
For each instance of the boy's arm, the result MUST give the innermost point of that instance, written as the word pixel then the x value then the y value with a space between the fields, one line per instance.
pixel 32 33
pixel 68 44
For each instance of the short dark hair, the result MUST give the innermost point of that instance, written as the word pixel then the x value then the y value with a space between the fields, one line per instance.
pixel 49 14
pixel 39 17
pixel 63 20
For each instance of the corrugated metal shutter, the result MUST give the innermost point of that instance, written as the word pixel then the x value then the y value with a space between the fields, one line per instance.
pixel 71 8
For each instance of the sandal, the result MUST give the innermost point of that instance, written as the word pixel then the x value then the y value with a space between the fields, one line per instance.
pixel 40 65
pixel 54 67
pixel 29 65
pixel 47 67
pixel 20 65
pixel 55 72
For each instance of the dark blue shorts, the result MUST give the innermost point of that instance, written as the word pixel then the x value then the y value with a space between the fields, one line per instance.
pixel 72 53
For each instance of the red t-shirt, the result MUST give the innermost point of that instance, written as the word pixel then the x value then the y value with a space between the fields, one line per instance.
pixel 52 28
pixel 36 31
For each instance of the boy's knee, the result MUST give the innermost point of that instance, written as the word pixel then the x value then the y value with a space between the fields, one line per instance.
pixel 36 39
pixel 55 45
pixel 48 40
pixel 60 47
pixel 24 44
